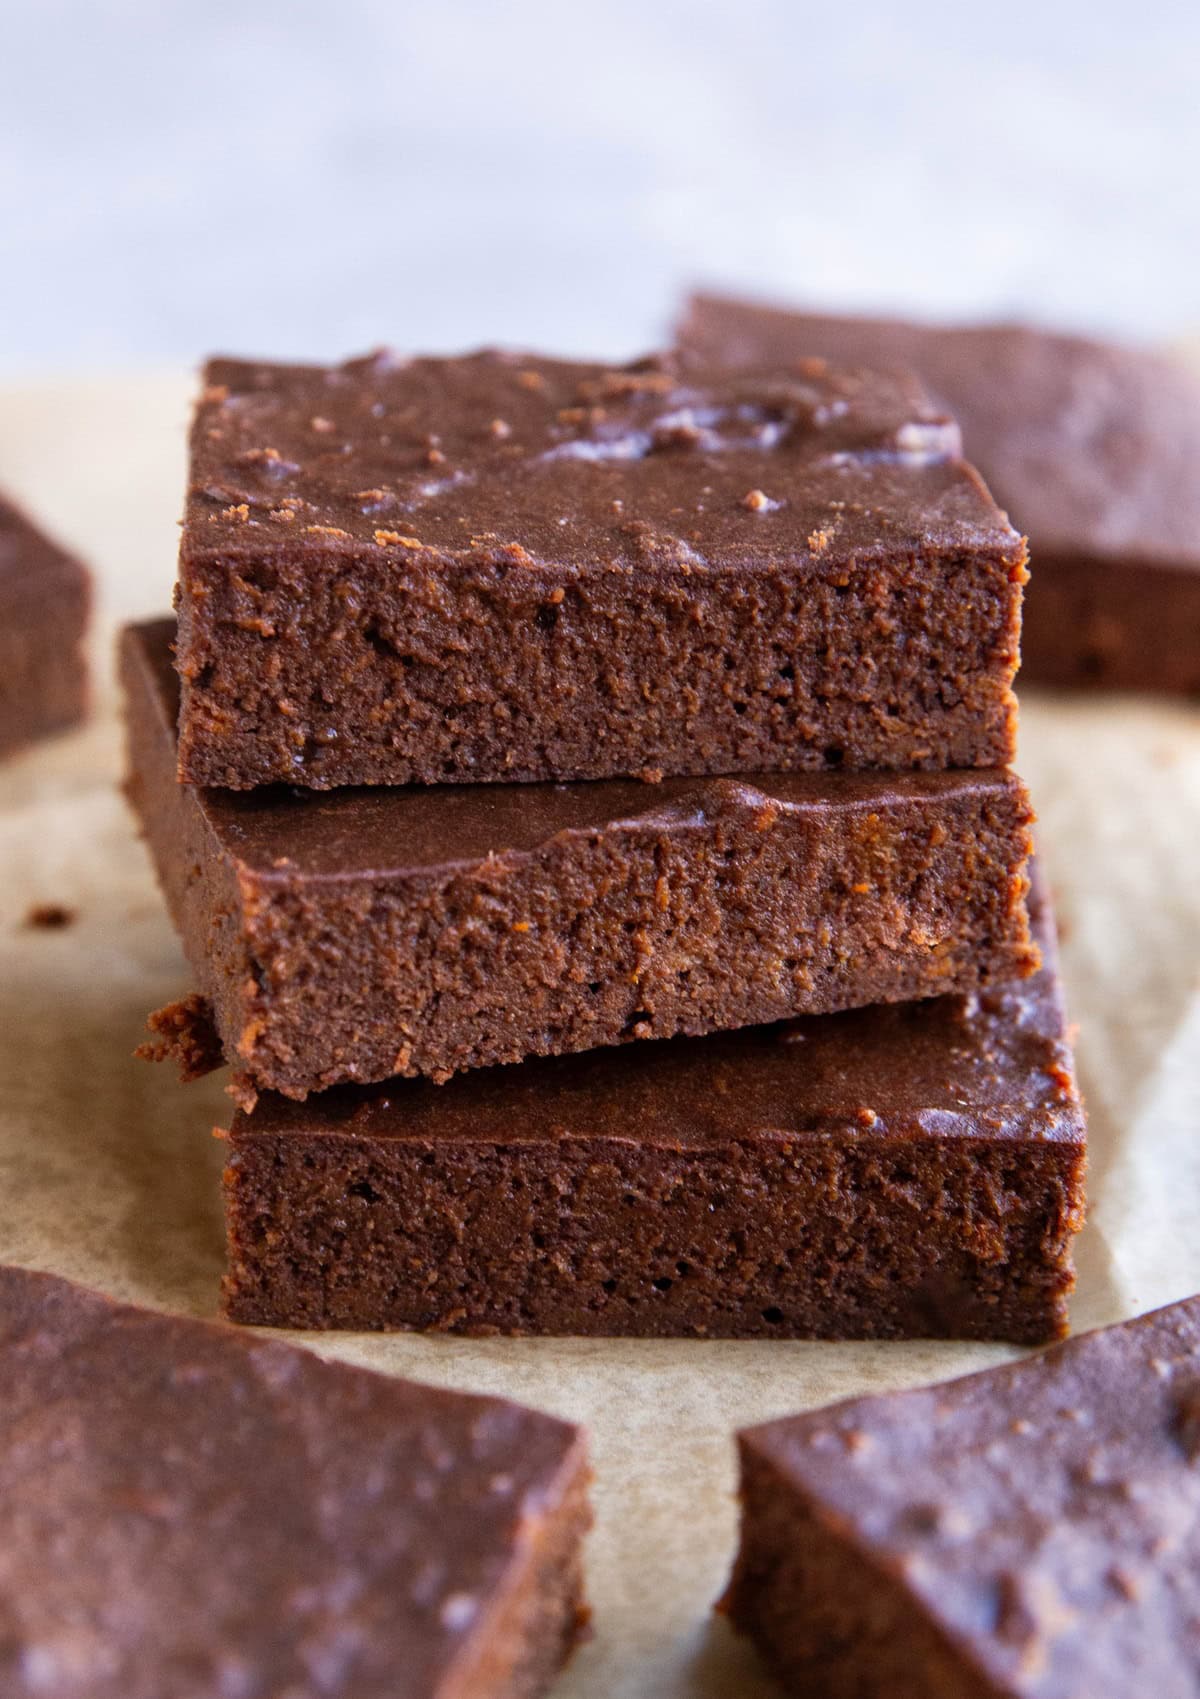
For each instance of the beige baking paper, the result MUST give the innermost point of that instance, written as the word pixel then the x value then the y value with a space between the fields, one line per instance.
pixel 107 1172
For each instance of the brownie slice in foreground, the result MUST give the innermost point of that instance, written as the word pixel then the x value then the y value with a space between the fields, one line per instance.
pixel 912 1169
pixel 1028 1533
pixel 1091 447
pixel 501 567
pixel 426 930
pixel 45 597
pixel 188 1511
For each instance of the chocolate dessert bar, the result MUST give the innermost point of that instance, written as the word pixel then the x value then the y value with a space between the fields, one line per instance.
pixel 44 603
pixel 1028 1533
pixel 1092 448
pixel 914 1169
pixel 421 931
pixel 501 567
pixel 190 1512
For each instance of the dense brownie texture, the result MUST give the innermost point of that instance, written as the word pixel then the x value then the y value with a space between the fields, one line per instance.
pixel 426 930
pixel 509 568
pixel 1092 448
pixel 190 1512
pixel 1028 1533
pixel 907 1170
pixel 44 602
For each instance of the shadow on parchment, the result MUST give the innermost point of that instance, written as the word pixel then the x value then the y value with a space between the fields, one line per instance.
pixel 725 1664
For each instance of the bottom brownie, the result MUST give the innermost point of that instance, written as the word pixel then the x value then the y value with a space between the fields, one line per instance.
pixel 915 1169
pixel 1027 1533
pixel 44 601
pixel 188 1511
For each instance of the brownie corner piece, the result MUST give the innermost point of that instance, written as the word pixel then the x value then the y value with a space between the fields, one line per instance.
pixel 1024 1533
pixel 190 1510
pixel 504 568
pixel 45 601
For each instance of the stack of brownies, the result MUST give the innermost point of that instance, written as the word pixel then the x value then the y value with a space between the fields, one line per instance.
pixel 584 798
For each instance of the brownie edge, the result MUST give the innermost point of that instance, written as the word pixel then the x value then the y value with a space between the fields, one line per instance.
pixel 1030 1532
pixel 190 1511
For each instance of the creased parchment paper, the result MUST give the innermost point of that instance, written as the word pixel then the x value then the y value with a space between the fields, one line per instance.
pixel 107 1172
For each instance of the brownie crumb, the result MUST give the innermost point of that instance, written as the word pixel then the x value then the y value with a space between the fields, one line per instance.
pixel 244 1092
pixel 817 949
pixel 184 1033
pixel 50 917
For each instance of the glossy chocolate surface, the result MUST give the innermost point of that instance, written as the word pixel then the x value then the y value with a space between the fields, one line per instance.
pixel 190 1511
pixel 579 466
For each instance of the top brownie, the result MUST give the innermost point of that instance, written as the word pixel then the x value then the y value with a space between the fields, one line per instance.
pixel 500 567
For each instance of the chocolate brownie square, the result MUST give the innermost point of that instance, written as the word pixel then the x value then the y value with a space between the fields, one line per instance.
pixel 501 567
pixel 1028 1533
pixel 188 1511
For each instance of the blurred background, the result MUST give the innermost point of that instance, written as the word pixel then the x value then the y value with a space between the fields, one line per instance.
pixel 298 178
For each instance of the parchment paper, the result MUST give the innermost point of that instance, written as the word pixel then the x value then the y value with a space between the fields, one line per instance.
pixel 107 1172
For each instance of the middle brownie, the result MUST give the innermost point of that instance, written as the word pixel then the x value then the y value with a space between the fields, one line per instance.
pixel 364 934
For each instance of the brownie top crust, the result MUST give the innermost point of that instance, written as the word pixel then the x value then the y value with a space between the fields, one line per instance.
pixel 572 465
pixel 993 1065
pixel 1046 1515
pixel 1091 447
pixel 283 834
pixel 192 1511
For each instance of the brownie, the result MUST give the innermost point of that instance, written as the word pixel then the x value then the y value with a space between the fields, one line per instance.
pixel 910 1169
pixel 502 567
pixel 1032 1532
pixel 45 598
pixel 1092 448
pixel 192 1512
pixel 420 931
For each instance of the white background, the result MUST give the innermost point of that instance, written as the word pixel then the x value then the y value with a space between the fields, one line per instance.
pixel 314 177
